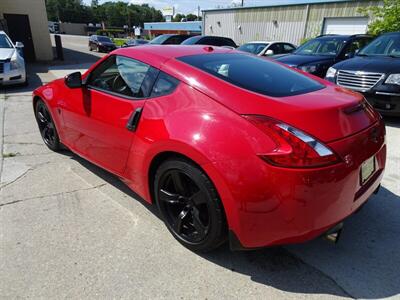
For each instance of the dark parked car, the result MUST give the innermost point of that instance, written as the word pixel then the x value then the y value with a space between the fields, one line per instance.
pixel 318 55
pixel 170 39
pixel 210 40
pixel 135 42
pixel 101 43
pixel 375 72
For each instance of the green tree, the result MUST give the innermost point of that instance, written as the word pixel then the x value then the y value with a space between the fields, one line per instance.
pixel 178 17
pixel 191 17
pixel 386 17
pixel 114 14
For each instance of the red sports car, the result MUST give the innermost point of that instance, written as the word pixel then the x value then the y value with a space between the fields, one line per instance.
pixel 226 144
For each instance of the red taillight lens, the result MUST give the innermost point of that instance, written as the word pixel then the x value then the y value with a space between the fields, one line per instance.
pixel 294 148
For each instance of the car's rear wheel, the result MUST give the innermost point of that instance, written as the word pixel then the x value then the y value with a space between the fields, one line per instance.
pixel 47 127
pixel 189 205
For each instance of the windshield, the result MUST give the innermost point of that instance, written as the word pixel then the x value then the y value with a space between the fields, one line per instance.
pixel 254 48
pixel 160 39
pixel 262 76
pixel 5 42
pixel 191 41
pixel 324 46
pixel 104 39
pixel 386 45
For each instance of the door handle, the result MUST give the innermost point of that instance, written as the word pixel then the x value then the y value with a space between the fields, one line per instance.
pixel 134 119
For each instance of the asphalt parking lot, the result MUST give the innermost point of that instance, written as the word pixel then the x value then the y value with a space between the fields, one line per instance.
pixel 70 229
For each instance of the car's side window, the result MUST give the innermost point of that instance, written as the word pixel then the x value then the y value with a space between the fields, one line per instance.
pixel 121 75
pixel 164 85
pixel 277 48
pixel 355 45
pixel 287 48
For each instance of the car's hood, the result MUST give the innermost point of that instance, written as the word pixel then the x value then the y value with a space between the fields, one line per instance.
pixel 371 64
pixel 6 53
pixel 295 60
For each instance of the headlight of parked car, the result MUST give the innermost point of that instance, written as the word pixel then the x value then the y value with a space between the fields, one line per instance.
pixel 393 79
pixel 331 73
pixel 309 68
pixel 14 65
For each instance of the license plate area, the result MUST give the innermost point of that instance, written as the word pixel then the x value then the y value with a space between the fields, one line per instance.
pixel 368 168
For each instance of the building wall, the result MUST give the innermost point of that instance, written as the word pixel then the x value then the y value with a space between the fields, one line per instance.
pixel 286 23
pixel 320 11
pixel 36 10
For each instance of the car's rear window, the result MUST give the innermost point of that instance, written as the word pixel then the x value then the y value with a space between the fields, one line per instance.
pixel 254 74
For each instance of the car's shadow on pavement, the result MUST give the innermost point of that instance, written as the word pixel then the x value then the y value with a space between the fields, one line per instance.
pixel 364 264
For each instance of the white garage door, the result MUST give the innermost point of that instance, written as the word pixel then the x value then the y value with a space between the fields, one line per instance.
pixel 345 25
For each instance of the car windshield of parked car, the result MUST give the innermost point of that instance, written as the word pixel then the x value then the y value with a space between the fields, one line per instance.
pixel 254 48
pixel 191 41
pixel 386 45
pixel 160 39
pixel 104 39
pixel 5 42
pixel 141 42
pixel 262 76
pixel 324 46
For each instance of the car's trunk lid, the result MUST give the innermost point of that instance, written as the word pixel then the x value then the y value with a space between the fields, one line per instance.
pixel 329 114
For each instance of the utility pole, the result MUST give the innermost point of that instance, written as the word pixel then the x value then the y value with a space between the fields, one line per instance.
pixel 242 3
pixel 198 12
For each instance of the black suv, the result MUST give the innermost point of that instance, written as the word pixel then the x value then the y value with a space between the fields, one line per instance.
pixel 170 39
pixel 101 43
pixel 218 41
pixel 375 72
pixel 317 55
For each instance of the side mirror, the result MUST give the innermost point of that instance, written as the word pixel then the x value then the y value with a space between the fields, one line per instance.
pixel 73 80
pixel 350 55
pixel 269 52
pixel 19 45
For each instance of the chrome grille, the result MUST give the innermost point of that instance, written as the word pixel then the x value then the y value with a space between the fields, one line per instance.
pixel 358 80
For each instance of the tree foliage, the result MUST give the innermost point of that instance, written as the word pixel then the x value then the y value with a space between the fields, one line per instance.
pixel 114 14
pixel 386 17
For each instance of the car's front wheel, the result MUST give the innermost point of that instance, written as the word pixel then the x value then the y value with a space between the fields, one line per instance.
pixel 190 205
pixel 47 127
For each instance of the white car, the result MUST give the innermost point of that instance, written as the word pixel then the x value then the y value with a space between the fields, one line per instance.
pixel 12 64
pixel 264 48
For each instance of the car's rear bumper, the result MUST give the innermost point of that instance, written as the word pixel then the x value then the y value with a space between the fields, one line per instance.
pixel 267 205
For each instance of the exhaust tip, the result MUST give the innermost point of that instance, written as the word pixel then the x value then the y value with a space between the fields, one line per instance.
pixel 333 234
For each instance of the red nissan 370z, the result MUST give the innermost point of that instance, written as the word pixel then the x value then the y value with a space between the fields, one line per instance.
pixel 227 145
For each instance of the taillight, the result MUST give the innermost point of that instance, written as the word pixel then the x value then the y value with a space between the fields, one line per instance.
pixel 294 148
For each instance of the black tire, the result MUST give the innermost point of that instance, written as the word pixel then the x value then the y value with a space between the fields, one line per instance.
pixel 90 48
pixel 189 205
pixel 47 127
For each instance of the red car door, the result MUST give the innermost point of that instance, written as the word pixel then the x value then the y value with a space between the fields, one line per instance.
pixel 100 119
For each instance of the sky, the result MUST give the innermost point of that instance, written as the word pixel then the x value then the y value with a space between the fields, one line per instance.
pixel 190 6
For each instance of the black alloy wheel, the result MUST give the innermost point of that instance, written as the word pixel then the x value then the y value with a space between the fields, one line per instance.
pixel 46 126
pixel 189 205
